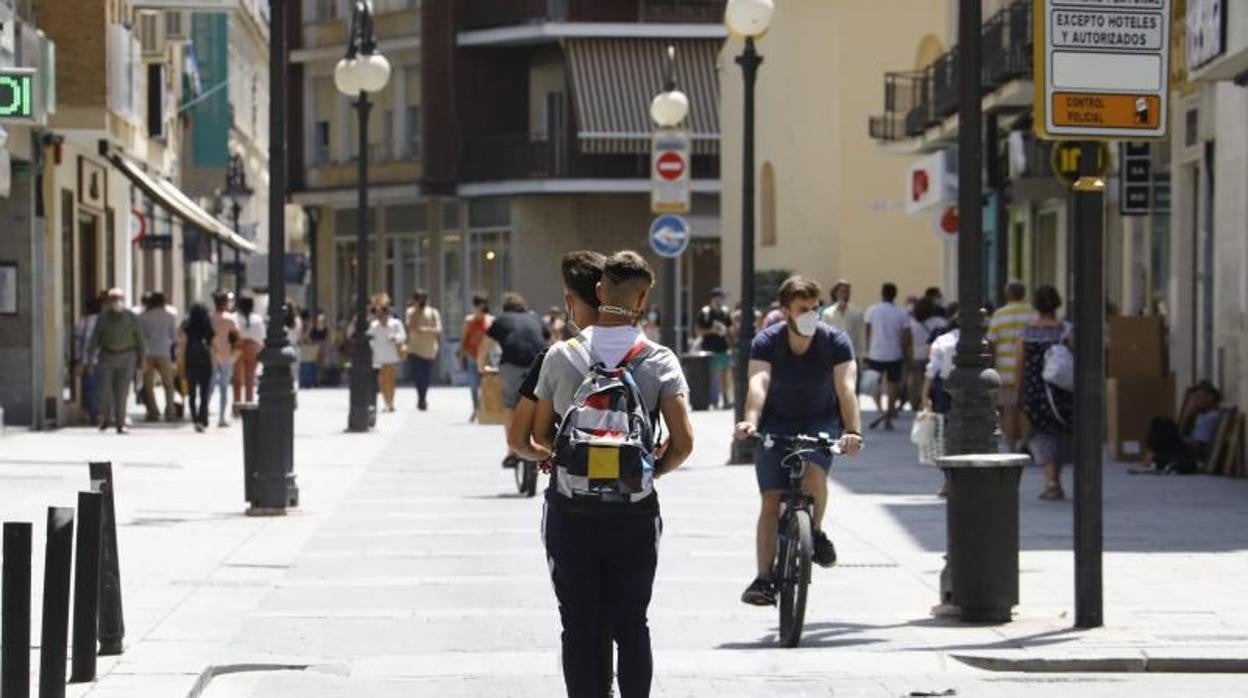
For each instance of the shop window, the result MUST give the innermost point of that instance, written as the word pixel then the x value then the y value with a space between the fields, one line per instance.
pixel 767 210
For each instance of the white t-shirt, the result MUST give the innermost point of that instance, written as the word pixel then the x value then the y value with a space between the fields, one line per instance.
pixel 887 322
pixel 385 341
pixel 611 343
pixel 920 331
pixel 251 332
pixel 940 361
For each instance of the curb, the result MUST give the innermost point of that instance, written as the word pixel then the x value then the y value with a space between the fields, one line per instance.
pixel 1109 665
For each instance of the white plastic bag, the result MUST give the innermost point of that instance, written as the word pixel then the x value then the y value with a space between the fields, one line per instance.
pixel 933 447
pixel 923 431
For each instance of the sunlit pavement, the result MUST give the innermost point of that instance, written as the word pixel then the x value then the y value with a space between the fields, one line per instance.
pixel 413 569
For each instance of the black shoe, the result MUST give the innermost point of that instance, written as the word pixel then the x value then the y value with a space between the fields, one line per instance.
pixel 761 592
pixel 825 552
pixel 422 405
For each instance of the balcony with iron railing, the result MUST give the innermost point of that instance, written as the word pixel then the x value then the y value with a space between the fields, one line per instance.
pixel 485 14
pixel 915 101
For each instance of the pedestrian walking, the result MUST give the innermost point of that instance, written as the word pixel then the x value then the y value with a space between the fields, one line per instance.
pixel 293 330
pixel 85 359
pixel 713 325
pixel 387 339
pixel 424 336
pixel 308 350
pixel 118 341
pixel 470 338
pixel 926 323
pixel 940 355
pixel 160 333
pixel 1004 328
pixel 847 317
pixel 195 345
pixel 225 341
pixel 251 330
pixel 1049 408
pixel 521 336
pixel 886 326
pixel 601 520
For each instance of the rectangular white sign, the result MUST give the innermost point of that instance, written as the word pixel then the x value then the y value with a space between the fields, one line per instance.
pixel 671 165
pixel 196 5
pixel 1102 68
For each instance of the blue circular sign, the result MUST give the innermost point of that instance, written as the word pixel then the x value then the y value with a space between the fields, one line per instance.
pixel 669 236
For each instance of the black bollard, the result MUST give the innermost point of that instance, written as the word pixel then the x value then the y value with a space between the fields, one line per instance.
pixel 86 587
pixel 15 612
pixel 112 626
pixel 55 632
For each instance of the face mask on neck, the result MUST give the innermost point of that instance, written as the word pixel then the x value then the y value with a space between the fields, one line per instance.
pixel 806 324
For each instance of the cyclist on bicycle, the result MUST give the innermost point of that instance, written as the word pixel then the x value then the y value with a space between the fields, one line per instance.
pixel 801 381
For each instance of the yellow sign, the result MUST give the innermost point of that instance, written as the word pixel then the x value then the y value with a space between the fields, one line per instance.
pixel 1065 161
pixel 1102 68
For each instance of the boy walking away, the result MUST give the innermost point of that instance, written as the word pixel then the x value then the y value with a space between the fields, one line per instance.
pixel 601 524
pixel 1004 329
pixel 886 354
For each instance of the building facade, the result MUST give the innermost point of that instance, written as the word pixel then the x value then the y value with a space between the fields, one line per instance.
pixel 829 202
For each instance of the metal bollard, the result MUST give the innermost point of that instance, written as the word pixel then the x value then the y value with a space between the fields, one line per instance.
pixel 112 626
pixel 250 415
pixel 55 632
pixel 87 587
pixel 15 612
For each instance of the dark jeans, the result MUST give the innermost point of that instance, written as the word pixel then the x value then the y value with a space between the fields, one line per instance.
pixel 199 380
pixel 603 569
pixel 1165 440
pixel 422 370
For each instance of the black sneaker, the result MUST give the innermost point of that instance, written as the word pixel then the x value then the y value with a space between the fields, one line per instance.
pixel 761 592
pixel 825 552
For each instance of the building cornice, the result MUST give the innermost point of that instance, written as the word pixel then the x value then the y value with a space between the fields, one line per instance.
pixel 550 32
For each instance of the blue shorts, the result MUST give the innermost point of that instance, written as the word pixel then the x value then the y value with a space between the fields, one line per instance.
pixel 767 467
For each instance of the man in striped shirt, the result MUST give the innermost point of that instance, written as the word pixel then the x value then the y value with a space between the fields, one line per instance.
pixel 1003 332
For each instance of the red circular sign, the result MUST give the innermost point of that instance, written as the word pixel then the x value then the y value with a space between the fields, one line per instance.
pixel 670 166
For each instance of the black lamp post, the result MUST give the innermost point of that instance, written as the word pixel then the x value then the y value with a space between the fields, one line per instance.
pixel 275 487
pixel 361 71
pixel 748 18
pixel 238 191
pixel 972 421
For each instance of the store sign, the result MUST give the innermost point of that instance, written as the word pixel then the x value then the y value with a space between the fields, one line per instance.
pixel 196 5
pixel 1102 68
pixel 1136 179
pixel 670 185
pixel 1206 32
pixel 156 242
pixel 929 183
pixel 1066 157
pixel 17 95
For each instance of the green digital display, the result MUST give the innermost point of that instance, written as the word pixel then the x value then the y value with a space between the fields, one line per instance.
pixel 17 94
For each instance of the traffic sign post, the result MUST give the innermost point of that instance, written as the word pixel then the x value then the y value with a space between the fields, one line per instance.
pixel 669 236
pixel 670 186
pixel 1102 68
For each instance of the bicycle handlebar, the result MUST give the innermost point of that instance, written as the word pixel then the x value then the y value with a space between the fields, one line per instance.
pixel 794 442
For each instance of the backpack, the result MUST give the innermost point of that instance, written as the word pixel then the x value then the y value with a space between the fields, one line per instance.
pixel 604 449
pixel 1059 367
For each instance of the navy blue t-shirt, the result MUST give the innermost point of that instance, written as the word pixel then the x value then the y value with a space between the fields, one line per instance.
pixel 802 388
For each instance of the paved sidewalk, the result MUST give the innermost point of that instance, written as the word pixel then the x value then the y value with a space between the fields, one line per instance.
pixel 412 570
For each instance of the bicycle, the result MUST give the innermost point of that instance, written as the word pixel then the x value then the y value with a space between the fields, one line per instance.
pixel 791 569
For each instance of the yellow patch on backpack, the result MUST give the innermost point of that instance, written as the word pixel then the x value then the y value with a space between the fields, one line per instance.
pixel 604 463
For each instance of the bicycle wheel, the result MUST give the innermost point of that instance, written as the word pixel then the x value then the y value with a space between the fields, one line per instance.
pixel 526 477
pixel 797 546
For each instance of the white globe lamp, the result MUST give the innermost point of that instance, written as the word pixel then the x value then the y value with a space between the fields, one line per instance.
pixel 749 18
pixel 345 78
pixel 373 71
pixel 670 108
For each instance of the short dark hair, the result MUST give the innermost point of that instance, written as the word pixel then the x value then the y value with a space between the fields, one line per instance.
pixel 514 303
pixel 480 299
pixel 889 292
pixel 625 273
pixel 1015 290
pixel 932 292
pixel 924 309
pixel 420 296
pixel 246 304
pixel 1046 300
pixel 836 287
pixel 582 270
pixel 220 300
pixel 796 287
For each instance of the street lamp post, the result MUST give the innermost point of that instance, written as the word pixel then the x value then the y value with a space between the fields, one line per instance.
pixel 972 421
pixel 237 190
pixel 750 19
pixel 668 109
pixel 361 71
pixel 275 443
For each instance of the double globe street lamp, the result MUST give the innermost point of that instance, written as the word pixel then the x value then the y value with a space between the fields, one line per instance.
pixel 360 72
pixel 749 19
pixel 669 109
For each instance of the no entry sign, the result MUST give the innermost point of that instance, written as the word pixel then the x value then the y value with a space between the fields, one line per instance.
pixel 670 188
pixel 1102 68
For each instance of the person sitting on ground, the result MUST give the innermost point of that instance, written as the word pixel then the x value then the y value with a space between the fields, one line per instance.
pixel 1178 446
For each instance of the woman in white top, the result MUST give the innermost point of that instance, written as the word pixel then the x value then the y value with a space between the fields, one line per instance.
pixel 387 338
pixel 925 320
pixel 251 330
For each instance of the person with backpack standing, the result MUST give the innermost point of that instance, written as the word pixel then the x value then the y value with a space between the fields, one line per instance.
pixel 1049 407
pixel 601 521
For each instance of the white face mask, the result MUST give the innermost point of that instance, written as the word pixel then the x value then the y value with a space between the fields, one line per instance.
pixel 807 323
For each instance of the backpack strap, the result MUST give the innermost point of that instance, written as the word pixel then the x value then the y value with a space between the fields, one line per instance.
pixel 581 354
pixel 639 352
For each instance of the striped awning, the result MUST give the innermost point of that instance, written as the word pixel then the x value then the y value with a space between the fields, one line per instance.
pixel 613 81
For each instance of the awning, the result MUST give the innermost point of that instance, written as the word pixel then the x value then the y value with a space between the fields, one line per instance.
pixel 614 80
pixel 163 193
